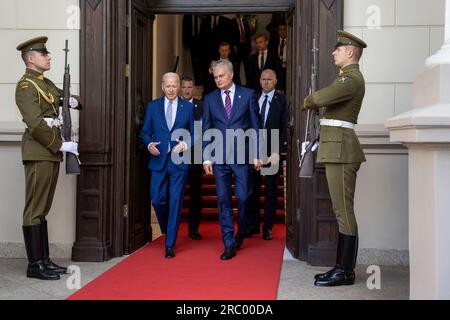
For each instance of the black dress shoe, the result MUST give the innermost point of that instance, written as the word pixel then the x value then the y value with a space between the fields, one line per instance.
pixel 53 267
pixel 37 270
pixel 338 277
pixel 326 274
pixel 170 253
pixel 250 231
pixel 195 235
pixel 228 254
pixel 238 241
pixel 267 234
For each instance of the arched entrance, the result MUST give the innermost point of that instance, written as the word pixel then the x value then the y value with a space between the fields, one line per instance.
pixel 116 49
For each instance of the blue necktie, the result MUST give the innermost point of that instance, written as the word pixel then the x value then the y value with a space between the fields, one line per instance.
pixel 169 114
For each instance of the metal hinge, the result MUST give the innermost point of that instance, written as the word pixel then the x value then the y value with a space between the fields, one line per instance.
pixel 125 211
pixel 127 70
pixel 128 22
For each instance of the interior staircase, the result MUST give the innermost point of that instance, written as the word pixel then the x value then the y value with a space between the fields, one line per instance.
pixel 209 199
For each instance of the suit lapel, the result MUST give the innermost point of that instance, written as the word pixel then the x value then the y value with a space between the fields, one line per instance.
pixel 220 103
pixel 178 115
pixel 236 102
pixel 162 112
pixel 272 106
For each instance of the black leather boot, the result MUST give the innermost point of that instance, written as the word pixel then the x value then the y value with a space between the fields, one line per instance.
pixel 35 253
pixel 343 273
pixel 49 264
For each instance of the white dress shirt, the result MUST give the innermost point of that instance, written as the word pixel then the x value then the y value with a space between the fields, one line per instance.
pixel 269 101
pixel 232 92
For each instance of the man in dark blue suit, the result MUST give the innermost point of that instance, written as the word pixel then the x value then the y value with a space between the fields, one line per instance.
pixel 161 134
pixel 230 109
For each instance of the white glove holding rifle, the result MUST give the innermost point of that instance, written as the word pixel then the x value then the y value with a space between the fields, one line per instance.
pixel 70 146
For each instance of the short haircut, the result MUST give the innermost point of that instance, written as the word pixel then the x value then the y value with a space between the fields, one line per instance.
pixel 25 56
pixel 224 43
pixel 357 51
pixel 187 78
pixel 221 62
pixel 169 75
pixel 271 71
pixel 262 35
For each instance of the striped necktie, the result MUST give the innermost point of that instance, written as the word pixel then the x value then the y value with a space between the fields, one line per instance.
pixel 228 104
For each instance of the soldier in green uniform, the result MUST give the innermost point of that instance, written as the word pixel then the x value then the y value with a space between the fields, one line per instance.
pixel 38 100
pixel 341 152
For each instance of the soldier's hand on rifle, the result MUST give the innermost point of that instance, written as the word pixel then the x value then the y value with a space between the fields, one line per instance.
pixel 70 146
pixel 152 148
pixel 307 103
pixel 73 103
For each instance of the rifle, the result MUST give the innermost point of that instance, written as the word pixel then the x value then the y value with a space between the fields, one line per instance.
pixel 311 142
pixel 72 161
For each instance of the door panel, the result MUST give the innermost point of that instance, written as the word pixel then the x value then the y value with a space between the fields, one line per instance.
pixel 139 93
pixel 311 226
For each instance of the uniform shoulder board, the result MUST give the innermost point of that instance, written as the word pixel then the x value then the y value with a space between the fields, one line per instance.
pixel 23 84
pixel 343 79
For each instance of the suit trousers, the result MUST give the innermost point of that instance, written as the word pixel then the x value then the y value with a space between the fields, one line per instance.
pixel 223 177
pixel 195 196
pixel 41 178
pixel 341 178
pixel 270 200
pixel 166 192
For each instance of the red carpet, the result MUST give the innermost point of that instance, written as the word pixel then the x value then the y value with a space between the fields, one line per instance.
pixel 196 273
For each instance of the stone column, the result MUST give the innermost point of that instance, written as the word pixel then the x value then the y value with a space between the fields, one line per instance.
pixel 443 55
pixel 425 130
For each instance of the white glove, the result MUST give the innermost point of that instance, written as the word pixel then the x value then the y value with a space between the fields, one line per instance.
pixel 71 147
pixel 73 103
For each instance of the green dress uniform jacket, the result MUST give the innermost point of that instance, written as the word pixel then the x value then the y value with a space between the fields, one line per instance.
pixel 342 101
pixel 37 98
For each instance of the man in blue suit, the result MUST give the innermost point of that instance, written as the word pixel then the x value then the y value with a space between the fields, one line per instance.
pixel 230 109
pixel 164 118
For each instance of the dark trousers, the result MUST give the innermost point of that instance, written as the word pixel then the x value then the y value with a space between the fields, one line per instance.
pixel 223 177
pixel 195 194
pixel 270 201
pixel 166 191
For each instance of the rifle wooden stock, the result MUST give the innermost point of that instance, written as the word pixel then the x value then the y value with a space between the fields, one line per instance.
pixel 307 163
pixel 72 162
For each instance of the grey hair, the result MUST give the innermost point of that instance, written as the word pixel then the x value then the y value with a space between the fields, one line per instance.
pixel 170 75
pixel 221 62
